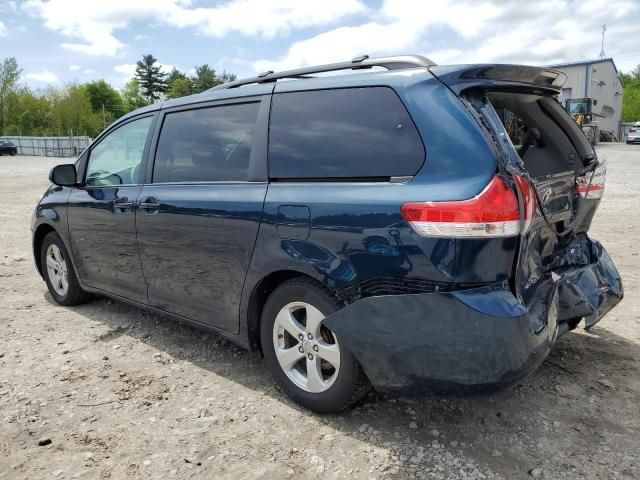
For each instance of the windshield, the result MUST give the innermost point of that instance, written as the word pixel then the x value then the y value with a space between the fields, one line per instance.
pixel 575 107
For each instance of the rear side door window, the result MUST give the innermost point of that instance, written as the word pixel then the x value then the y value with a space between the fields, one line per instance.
pixel 357 133
pixel 209 144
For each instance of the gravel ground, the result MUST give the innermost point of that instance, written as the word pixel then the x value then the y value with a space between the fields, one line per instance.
pixel 105 390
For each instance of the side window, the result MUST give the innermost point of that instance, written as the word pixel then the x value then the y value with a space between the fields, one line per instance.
pixel 116 159
pixel 206 144
pixel 348 133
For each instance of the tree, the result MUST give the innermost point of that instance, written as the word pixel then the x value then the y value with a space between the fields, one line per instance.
pixel 631 95
pixel 180 87
pixel 9 76
pixel 27 114
pixel 105 100
pixel 132 96
pixel 174 75
pixel 178 83
pixel 72 112
pixel 150 77
pixel 227 77
pixel 632 77
pixel 204 79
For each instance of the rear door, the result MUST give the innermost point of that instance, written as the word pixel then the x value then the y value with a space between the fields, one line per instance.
pixel 536 139
pixel 199 212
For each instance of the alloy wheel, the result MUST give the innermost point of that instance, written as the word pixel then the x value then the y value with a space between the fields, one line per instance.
pixel 306 350
pixel 57 270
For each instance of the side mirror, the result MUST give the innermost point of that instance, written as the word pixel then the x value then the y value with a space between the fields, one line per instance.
pixel 63 175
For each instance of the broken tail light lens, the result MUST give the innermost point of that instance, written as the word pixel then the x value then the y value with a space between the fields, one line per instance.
pixel 494 212
pixel 528 195
pixel 591 185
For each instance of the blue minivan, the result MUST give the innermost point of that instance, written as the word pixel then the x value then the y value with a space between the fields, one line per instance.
pixel 381 222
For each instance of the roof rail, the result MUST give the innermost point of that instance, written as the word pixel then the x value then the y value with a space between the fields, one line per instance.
pixel 358 63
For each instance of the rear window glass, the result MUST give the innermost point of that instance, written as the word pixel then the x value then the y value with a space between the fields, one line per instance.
pixel 342 133
pixel 206 144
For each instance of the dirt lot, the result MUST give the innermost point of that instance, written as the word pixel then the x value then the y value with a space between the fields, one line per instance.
pixel 115 392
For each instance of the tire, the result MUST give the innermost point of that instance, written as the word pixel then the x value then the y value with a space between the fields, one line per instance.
pixel 307 303
pixel 13 153
pixel 53 246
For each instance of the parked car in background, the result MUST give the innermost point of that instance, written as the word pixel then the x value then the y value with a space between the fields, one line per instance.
pixel 397 237
pixel 633 136
pixel 8 148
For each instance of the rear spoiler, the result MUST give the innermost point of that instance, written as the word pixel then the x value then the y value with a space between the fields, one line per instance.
pixel 517 77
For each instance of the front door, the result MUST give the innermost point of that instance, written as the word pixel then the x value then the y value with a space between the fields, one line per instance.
pixel 199 213
pixel 102 224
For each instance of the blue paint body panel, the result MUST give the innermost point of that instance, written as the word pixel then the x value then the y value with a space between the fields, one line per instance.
pixel 203 253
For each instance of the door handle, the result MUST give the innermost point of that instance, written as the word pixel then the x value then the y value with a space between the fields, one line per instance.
pixel 123 205
pixel 150 206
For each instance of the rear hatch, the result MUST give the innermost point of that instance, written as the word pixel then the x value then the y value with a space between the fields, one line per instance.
pixel 539 145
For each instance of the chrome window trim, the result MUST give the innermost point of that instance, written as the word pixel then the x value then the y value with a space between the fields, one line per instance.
pixel 204 183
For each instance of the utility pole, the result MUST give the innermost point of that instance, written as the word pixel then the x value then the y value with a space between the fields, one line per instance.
pixel 104 119
pixel 602 54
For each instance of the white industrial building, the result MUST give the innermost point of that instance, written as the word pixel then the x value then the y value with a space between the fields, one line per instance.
pixel 600 81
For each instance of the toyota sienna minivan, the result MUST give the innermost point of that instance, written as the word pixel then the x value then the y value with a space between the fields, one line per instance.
pixel 414 228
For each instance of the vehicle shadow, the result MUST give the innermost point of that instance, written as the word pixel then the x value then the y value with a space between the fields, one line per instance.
pixel 582 405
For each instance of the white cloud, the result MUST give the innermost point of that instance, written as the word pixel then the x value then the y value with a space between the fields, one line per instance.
pixel 128 69
pixel 74 68
pixel 9 6
pixel 43 76
pixel 3 30
pixel 166 67
pixel 94 23
pixel 88 71
pixel 465 31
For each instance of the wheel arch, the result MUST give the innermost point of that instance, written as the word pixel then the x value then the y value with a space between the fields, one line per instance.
pixel 38 236
pixel 259 296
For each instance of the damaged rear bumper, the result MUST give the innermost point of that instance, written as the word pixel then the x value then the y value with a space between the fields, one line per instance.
pixel 470 341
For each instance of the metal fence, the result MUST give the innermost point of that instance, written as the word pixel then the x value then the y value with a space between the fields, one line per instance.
pixel 50 146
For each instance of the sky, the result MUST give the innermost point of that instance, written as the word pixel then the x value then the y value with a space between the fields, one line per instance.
pixel 62 41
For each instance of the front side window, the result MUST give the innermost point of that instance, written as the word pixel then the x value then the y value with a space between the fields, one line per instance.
pixel 207 144
pixel 116 159
pixel 342 133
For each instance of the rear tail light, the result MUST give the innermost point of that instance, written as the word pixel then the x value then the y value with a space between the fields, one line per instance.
pixel 591 185
pixel 494 212
pixel 529 203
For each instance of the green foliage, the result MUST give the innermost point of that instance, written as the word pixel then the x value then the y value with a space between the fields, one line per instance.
pixel 204 79
pixel 175 75
pixel 151 78
pixel 9 76
pixel 85 109
pixel 631 95
pixel 631 104
pixel 132 96
pixel 105 100
pixel 72 112
pixel 227 77
pixel 180 87
pixel 27 114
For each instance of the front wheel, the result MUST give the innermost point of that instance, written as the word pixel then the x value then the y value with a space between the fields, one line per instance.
pixel 305 358
pixel 58 272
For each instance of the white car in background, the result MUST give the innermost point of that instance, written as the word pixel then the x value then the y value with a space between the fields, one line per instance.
pixel 634 133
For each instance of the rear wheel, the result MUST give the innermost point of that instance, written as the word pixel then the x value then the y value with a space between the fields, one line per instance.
pixel 58 272
pixel 305 358
pixel 13 153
